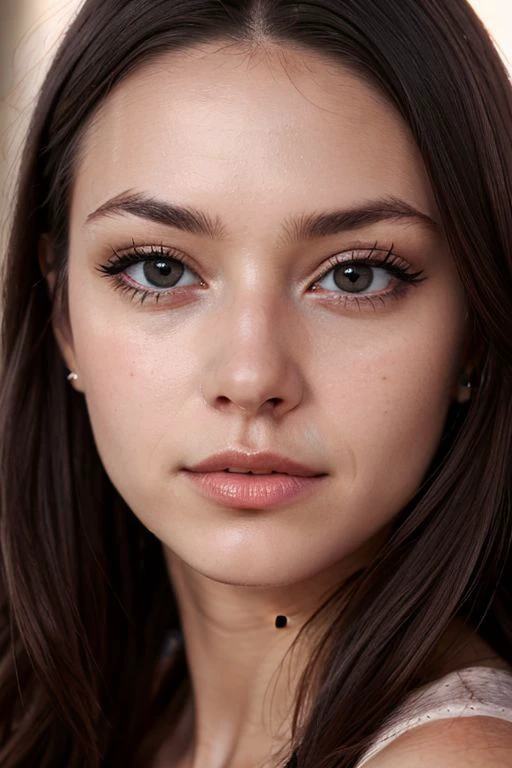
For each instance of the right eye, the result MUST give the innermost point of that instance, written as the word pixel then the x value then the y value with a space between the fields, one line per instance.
pixel 150 273
pixel 160 274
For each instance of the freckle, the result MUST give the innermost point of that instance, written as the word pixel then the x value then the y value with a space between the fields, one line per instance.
pixel 384 378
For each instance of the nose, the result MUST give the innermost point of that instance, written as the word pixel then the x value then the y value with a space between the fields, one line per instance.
pixel 254 361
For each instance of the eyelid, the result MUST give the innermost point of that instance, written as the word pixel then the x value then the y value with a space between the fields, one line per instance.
pixel 352 255
pixel 361 255
pixel 148 252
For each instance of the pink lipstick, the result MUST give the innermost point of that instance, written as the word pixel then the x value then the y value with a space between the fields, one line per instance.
pixel 228 479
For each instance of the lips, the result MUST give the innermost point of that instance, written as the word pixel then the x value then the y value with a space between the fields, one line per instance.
pixel 264 461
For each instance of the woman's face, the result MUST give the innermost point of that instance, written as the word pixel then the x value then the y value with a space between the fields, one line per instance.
pixel 279 331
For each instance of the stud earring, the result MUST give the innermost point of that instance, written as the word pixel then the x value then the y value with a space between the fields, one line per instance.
pixel 281 621
pixel 466 380
pixel 466 386
pixel 73 376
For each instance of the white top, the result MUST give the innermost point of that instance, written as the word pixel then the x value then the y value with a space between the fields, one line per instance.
pixel 468 692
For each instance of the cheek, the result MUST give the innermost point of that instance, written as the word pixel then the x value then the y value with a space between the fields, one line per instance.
pixel 136 383
pixel 386 402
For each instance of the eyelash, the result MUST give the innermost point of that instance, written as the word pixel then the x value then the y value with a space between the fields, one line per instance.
pixel 391 263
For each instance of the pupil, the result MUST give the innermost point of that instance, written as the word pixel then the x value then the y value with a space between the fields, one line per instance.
pixel 163 273
pixel 353 278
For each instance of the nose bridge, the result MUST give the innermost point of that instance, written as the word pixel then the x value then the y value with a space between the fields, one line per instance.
pixel 254 357
pixel 258 320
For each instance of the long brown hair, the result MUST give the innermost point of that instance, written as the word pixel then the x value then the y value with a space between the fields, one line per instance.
pixel 85 598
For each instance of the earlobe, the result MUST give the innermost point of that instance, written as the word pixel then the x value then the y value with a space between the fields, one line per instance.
pixel 60 318
pixel 64 339
pixel 464 388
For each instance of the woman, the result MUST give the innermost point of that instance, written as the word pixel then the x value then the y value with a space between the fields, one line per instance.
pixel 273 239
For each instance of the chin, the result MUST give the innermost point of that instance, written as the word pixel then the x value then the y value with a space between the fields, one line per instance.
pixel 244 568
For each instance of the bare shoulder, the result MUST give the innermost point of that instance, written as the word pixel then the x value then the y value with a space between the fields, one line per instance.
pixel 467 742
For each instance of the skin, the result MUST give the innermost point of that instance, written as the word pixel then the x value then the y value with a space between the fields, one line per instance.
pixel 249 356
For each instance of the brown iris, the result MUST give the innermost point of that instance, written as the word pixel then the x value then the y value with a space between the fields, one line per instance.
pixel 353 277
pixel 163 273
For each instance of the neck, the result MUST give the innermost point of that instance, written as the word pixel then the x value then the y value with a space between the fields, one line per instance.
pixel 244 671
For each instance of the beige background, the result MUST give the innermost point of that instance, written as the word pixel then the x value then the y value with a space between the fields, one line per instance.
pixel 29 33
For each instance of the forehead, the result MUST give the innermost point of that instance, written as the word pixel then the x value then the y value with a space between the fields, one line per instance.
pixel 224 127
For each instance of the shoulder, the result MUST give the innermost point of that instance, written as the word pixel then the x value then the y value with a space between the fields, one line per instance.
pixel 474 742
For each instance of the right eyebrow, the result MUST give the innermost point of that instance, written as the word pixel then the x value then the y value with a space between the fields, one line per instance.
pixel 146 207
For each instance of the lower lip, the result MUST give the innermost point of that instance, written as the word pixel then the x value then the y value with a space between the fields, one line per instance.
pixel 232 489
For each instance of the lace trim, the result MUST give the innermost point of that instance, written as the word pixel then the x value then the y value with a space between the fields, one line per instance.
pixel 469 692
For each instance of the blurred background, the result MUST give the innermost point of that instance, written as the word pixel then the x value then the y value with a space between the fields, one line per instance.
pixel 29 33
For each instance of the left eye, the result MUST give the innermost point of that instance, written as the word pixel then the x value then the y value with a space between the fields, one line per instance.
pixel 161 273
pixel 355 278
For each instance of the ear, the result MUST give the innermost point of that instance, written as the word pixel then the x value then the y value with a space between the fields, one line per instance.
pixel 58 297
pixel 472 356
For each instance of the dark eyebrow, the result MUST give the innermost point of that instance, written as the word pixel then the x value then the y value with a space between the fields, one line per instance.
pixel 332 223
pixel 137 204
pixel 306 227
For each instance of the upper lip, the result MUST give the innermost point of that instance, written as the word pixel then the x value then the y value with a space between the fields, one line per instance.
pixel 253 461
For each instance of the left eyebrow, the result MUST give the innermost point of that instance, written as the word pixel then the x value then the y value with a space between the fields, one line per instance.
pixel 306 227
pixel 335 222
